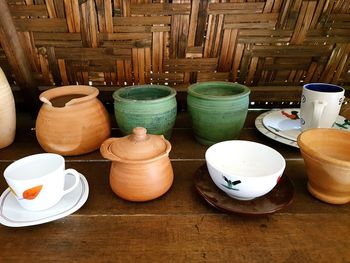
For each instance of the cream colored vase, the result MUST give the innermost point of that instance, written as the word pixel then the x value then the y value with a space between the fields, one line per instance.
pixel 7 112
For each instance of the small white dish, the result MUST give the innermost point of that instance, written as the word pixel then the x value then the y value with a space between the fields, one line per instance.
pixel 260 126
pixel 13 215
pixel 286 123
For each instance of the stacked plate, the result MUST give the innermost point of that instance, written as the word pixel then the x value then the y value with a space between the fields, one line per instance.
pixel 283 125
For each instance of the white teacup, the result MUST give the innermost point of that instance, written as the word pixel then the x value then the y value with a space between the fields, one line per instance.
pixel 320 105
pixel 37 181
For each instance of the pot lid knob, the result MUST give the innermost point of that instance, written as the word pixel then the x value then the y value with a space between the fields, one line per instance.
pixel 139 134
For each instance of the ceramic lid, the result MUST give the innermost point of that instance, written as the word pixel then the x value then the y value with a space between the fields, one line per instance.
pixel 140 146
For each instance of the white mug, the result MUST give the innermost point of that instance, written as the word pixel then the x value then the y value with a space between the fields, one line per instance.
pixel 320 105
pixel 37 181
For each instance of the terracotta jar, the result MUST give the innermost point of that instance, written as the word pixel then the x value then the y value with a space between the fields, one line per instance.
pixel 141 168
pixel 72 120
pixel 7 112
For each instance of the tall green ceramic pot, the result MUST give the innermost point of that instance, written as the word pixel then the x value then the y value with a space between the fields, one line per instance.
pixel 218 110
pixel 153 107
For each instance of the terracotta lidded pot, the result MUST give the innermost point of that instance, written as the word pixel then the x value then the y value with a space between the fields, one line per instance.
pixel 141 168
pixel 72 120
pixel 7 112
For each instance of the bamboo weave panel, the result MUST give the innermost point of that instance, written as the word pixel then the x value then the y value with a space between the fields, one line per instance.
pixel 126 42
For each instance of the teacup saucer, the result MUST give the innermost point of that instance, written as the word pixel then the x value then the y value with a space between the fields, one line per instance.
pixel 278 198
pixel 13 215
pixel 286 123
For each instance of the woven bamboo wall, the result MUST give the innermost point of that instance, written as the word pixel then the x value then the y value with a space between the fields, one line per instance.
pixel 123 42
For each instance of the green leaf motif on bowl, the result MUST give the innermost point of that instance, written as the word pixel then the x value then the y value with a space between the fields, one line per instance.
pixel 343 125
pixel 230 185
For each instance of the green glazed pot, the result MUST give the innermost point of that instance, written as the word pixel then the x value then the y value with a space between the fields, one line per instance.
pixel 218 110
pixel 153 107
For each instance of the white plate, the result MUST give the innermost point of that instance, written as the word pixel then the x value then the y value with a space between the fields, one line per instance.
pixel 260 126
pixel 286 123
pixel 13 215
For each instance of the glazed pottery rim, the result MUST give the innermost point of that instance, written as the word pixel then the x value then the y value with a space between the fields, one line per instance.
pixel 271 174
pixel 308 85
pixel 313 154
pixel 117 97
pixel 89 93
pixel 192 90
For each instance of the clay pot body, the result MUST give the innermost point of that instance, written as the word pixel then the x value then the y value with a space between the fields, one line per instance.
pixel 151 106
pixel 7 112
pixel 218 110
pixel 141 182
pixel 72 120
pixel 141 169
pixel 326 154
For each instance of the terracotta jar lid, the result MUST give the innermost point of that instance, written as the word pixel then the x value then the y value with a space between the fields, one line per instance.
pixel 140 146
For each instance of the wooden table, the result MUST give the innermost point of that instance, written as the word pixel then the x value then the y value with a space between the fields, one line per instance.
pixel 179 226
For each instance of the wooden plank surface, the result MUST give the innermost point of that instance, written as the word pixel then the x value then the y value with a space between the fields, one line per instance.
pixel 179 226
pixel 192 238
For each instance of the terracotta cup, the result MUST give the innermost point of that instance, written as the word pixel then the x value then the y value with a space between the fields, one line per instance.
pixel 326 154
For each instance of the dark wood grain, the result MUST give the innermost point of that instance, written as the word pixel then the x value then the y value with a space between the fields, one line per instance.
pixel 179 226
pixel 181 238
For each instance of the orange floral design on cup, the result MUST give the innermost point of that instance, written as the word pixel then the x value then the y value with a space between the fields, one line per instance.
pixel 32 193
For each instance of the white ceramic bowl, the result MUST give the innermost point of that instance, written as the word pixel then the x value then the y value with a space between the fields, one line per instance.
pixel 243 169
